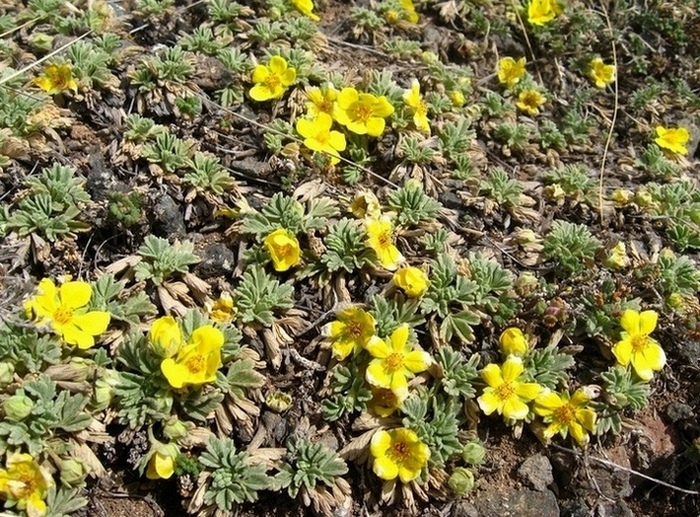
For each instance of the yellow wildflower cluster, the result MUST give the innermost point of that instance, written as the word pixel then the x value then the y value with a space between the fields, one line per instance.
pixel 380 238
pixel 64 309
pixel 636 346
pixel 398 453
pixel 507 392
pixel 601 73
pixel 673 139
pixel 541 12
pixel 414 100
pixel 284 250
pixel 405 12
pixel 190 363
pixel 510 71
pixel 57 79
pixel 412 280
pixel 272 80
pixel 566 414
pixel 306 7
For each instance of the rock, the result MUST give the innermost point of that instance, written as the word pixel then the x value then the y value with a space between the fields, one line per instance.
pixel 167 217
pixel 656 443
pixel 612 482
pixel 217 260
pixel 679 411
pixel 517 503
pixel 614 509
pixel 100 178
pixel 536 472
pixel 464 509
pixel 574 508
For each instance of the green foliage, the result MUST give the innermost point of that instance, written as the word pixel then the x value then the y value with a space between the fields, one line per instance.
pixel 679 204
pixel 107 295
pixel 203 40
pixel 227 12
pixel 345 247
pixel 458 374
pixel 285 212
pixel 447 290
pixel 413 205
pixel 37 214
pixel 26 350
pixel 621 390
pixel 140 129
pixel 90 64
pixel 168 151
pixel 501 188
pixel 259 296
pixel 241 376
pixel 63 502
pixel 675 274
pixel 161 260
pixel 306 465
pixel 391 313
pixel 234 480
pixel 205 173
pixel 174 65
pixel 61 184
pixel 126 208
pixel 602 308
pixel 53 412
pixel 435 421
pixel 550 135
pixel 574 179
pixel 547 366
pixel 17 108
pixel 351 393
pixel 513 135
pixel 576 127
pixel 653 161
pixel 571 245
pixel 456 137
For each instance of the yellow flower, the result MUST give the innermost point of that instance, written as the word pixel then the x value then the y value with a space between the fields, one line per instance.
pixel 412 280
pixel 381 240
pixel 510 71
pixel 165 336
pixel 384 402
pixel 25 483
pixel 414 100
pixel 56 79
pixel 63 308
pixel 321 100
pixel 365 204
pixel 566 415
pixel 394 361
pixel 618 256
pixel 197 362
pixel 622 197
pixel 507 393
pixel 284 250
pixel 398 453
pixel 601 73
pixel 362 113
pixel 273 80
pixel 319 137
pixel 457 98
pixel 541 12
pixel 637 347
pixel 673 139
pixel 513 342
pixel 350 332
pixel 530 100
pixel 306 8
pixel 222 310
pixel 162 462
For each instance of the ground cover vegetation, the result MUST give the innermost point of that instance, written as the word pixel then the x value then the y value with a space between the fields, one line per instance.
pixel 286 257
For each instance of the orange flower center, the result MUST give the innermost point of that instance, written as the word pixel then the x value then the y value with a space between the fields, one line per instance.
pixel 399 452
pixel 195 364
pixel 505 390
pixel 531 100
pixel 384 239
pixel 354 329
pixel 565 414
pixel 273 82
pixel 323 137
pixel 62 315
pixel 394 362
pixel 25 475
pixel 361 111
pixel 639 343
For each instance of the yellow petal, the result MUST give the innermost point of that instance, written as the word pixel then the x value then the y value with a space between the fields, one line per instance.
pixel 385 469
pixel 417 361
pixel 399 385
pixel 381 441
pixel 375 126
pixel 305 128
pixel 578 433
pixel 342 348
pixel 382 107
pixel 208 339
pixel 260 73
pixel 623 352
pixel 489 402
pixel 93 322
pixel 399 338
pixel 515 409
pixel 289 76
pixel 587 418
pixel 260 93
pixel 346 97
pixel 528 391
pixel 337 140
pixel 175 373
pixel 278 65
pixel 36 507
pixel 647 322
pixel 654 356
pixel 379 348
pixel 377 375
pixel 74 336
pixel 546 403
pixel 492 375
pixel 630 322
pixel 512 369
pixel 408 473
pixel 75 294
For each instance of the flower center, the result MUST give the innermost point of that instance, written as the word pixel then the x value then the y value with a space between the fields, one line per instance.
pixel 394 362
pixel 399 452
pixel 62 315
pixel 505 391
pixel 530 100
pixel 565 414
pixel 361 111
pixel 273 82
pixel 25 475
pixel 639 343
pixel 195 364
pixel 322 137
pixel 354 329
pixel 384 239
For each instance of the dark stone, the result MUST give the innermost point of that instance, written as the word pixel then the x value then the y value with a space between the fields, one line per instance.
pixel 464 509
pixel 536 472
pixel 276 427
pixel 679 411
pixel 450 200
pixel 574 508
pixel 517 503
pixel 614 509
pixel 217 260
pixel 100 177
pixel 167 218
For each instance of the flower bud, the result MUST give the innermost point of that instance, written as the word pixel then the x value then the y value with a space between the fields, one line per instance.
pixel 618 257
pixel 675 301
pixel 526 283
pixel 17 407
pixel 41 42
pixel 278 401
pixel 513 342
pixel 73 472
pixel 175 429
pixel 474 453
pixel 104 389
pixel 643 198
pixel 165 336
pixel 461 481
pixel 7 373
